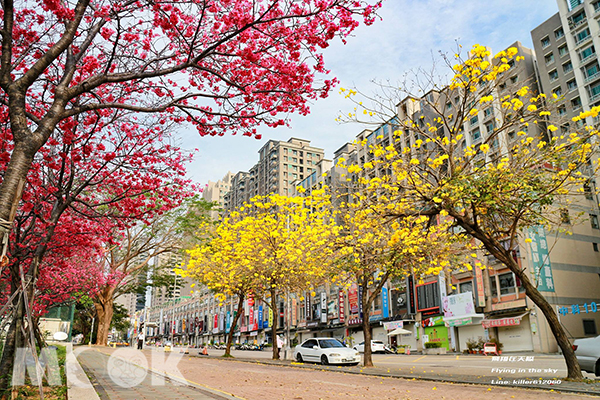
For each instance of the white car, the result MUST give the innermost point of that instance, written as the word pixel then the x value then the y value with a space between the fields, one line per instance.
pixel 326 351
pixel 587 352
pixel 377 346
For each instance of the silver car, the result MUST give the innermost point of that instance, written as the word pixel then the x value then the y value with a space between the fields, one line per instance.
pixel 587 352
pixel 326 351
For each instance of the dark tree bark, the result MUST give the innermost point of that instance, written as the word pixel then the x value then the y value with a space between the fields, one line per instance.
pixel 236 318
pixel 505 256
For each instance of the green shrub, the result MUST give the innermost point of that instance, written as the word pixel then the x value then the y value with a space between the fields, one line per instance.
pixel 433 345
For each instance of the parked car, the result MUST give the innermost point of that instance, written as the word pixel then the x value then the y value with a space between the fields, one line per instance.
pixel 377 346
pixel 587 352
pixel 326 351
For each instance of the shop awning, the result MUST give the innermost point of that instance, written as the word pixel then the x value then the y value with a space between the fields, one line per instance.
pixel 399 331
pixel 500 322
pixel 463 320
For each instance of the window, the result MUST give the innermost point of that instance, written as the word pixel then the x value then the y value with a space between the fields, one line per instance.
pixel 545 42
pixel 549 58
pixel 489 127
pixel 553 75
pixel 448 106
pixel 507 284
pixel 487 112
pixel 294 159
pixel 576 103
pixel 572 4
pixel 596 5
pixel 587 53
pixel 562 110
pixel 309 343
pixel 594 91
pixel 474 120
pixel 476 135
pixel 564 216
pixel 589 327
pixel 591 71
pixel 559 33
pixel 567 67
pixel 557 91
pixel 571 85
pixel 595 246
pixel 594 221
pixel 515 78
pixel 581 36
pixel 294 152
pixel 465 287
pixel 563 50
pixel 285 158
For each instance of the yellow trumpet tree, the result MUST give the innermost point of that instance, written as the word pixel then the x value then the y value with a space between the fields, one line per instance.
pixel 220 265
pixel 376 249
pixel 523 173
pixel 273 245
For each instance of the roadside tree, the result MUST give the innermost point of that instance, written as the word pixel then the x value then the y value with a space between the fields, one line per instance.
pixel 528 169
pixel 376 249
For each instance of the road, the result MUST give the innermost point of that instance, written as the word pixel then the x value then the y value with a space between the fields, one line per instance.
pixel 257 381
pixel 542 366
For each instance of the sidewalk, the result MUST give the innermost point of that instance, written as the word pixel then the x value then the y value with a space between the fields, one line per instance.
pixel 123 380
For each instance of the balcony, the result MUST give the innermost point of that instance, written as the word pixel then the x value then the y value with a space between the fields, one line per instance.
pixel 594 97
pixel 593 77
pixel 583 41
pixel 588 58
pixel 575 24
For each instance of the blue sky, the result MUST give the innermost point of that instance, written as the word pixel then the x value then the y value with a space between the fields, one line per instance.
pixel 410 33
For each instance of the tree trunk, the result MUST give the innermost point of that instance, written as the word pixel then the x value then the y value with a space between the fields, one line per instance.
pixel 274 327
pixel 573 368
pixel 104 311
pixel 505 256
pixel 16 172
pixel 366 306
pixel 13 341
pixel 233 325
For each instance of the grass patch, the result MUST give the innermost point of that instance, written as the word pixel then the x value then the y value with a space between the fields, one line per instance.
pixel 31 392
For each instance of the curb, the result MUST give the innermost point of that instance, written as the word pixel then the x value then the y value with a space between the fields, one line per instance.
pixel 441 379
pixel 78 384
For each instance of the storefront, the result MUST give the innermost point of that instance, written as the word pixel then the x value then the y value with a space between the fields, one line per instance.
pixel 434 330
pixel 513 331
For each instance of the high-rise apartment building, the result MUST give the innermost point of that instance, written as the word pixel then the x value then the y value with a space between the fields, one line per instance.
pixel 568 64
pixel 281 165
pixel 565 46
pixel 216 192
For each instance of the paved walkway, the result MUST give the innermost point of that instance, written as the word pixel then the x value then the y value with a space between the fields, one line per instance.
pixel 122 380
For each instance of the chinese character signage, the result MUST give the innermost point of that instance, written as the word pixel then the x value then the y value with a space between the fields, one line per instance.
pixel 323 308
pixel 479 287
pixel 342 310
pixel 385 303
pixel 494 323
pixel 540 259
pixel 573 309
